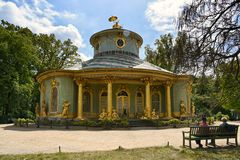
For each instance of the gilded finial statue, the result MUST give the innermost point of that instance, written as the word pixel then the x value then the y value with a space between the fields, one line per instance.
pixel 116 21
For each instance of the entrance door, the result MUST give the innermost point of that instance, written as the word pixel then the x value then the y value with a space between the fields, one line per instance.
pixel 122 103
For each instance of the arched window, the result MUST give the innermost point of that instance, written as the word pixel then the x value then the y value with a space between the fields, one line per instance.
pixel 139 102
pixel 86 102
pixel 122 103
pixel 156 101
pixel 122 93
pixel 54 99
pixel 103 101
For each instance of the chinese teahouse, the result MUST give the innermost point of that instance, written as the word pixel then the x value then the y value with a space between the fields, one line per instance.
pixel 116 80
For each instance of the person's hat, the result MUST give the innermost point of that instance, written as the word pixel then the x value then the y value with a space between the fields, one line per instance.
pixel 224 119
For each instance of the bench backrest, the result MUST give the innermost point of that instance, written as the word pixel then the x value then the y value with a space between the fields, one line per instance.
pixel 214 130
pixel 228 130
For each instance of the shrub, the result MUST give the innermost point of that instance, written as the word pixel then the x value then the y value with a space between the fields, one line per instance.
pixel 174 122
pixel 210 120
pixel 124 123
pixel 106 123
pixel 186 122
pixel 160 123
pixel 22 121
pixel 219 116
pixel 90 123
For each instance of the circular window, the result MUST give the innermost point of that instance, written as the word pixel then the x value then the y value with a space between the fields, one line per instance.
pixel 120 42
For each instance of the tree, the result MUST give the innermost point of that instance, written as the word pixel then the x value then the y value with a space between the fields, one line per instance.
pixel 214 29
pixel 17 56
pixel 54 54
pixel 170 53
pixel 230 88
pixel 23 55
pixel 205 95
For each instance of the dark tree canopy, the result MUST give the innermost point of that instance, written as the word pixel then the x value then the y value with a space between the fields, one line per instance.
pixel 214 29
pixel 23 55
pixel 170 53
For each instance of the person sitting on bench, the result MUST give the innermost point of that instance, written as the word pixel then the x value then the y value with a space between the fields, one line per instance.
pixel 224 122
pixel 202 124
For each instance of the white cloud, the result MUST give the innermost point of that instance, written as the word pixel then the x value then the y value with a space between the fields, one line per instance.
pixel 39 16
pixel 84 57
pixel 162 14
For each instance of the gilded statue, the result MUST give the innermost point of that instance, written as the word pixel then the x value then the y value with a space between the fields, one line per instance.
pixel 66 106
pixel 115 115
pixel 44 109
pixel 145 114
pixel 182 108
pixel 37 110
pixel 154 115
pixel 103 115
pixel 193 109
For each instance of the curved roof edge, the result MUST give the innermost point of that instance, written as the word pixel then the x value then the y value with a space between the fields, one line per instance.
pixel 100 33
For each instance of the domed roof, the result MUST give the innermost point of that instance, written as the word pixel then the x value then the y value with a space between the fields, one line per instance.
pixel 117 48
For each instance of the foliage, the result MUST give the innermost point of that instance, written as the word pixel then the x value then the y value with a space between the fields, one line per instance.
pixel 23 55
pixel 174 122
pixel 23 122
pixel 54 54
pixel 139 153
pixel 230 95
pixel 170 54
pixel 219 116
pixel 160 123
pixel 108 123
pixel 18 56
pixel 210 120
pixel 206 92
pixel 213 29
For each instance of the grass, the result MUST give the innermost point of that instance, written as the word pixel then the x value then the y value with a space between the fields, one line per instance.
pixel 151 153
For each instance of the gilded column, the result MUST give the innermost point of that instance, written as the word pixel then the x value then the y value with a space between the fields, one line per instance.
pixel 42 100
pixel 109 95
pixel 148 96
pixel 168 98
pixel 80 99
pixel 189 93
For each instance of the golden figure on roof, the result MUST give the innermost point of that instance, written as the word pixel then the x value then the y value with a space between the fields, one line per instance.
pixel 116 21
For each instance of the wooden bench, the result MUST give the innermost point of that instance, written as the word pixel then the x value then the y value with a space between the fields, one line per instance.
pixel 212 133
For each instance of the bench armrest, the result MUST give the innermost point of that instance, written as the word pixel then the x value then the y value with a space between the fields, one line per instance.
pixel 185 132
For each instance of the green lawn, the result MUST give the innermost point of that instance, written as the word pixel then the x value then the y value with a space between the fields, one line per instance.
pixel 138 154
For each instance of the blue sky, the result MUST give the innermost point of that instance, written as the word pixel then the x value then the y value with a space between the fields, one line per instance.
pixel 79 19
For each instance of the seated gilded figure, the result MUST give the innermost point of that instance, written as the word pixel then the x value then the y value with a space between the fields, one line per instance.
pixel 145 114
pixel 66 106
pixel 103 115
pixel 154 115
pixel 182 108
pixel 115 115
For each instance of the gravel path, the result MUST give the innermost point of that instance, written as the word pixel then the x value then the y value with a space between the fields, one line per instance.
pixel 16 140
